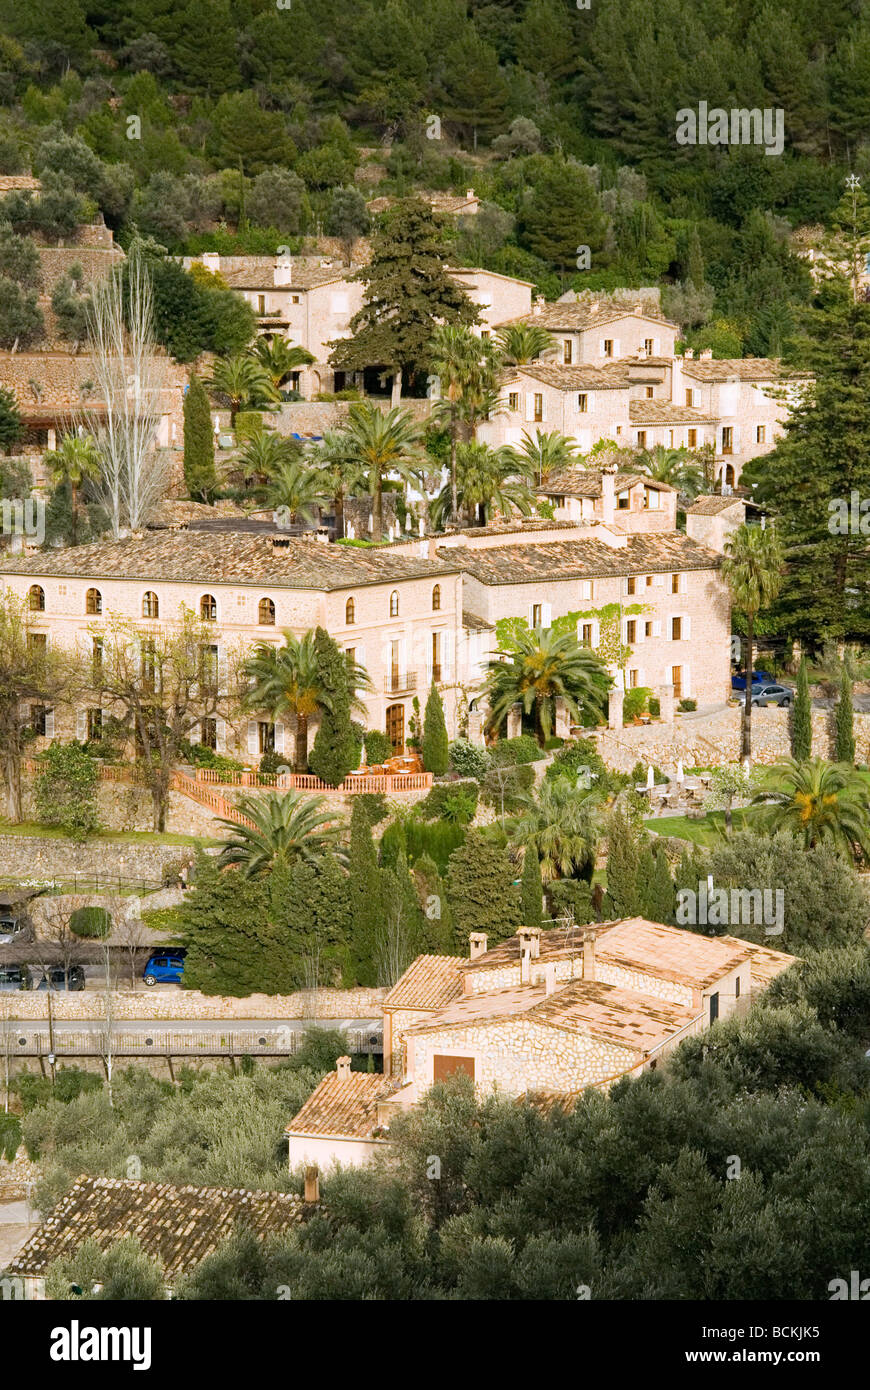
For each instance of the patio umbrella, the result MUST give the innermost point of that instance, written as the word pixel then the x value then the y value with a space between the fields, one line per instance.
pixel 680 773
pixel 650 777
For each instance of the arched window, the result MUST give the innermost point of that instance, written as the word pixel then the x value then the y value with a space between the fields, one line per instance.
pixel 266 613
pixel 93 602
pixel 436 598
pixel 729 475
pixel 394 604
pixel 150 605
pixel 36 599
pixel 208 608
pixel 350 612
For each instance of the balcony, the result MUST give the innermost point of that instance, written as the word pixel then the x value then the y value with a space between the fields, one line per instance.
pixel 400 682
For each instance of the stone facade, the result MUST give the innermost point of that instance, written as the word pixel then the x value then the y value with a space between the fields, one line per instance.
pixel 32 857
pixel 154 1005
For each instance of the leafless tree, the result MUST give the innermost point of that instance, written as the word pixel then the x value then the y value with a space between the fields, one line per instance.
pixel 56 945
pixel 106 1033
pixel 130 382
pixel 131 936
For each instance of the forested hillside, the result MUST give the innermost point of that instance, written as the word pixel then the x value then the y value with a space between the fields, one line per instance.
pixel 239 124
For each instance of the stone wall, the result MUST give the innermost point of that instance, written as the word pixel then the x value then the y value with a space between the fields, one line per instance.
pixel 31 857
pixel 152 1005
pixel 124 806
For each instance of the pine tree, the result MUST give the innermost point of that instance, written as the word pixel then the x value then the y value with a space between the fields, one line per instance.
pixel 561 213
pixel 408 293
pixel 336 751
pixel 364 888
pixel 622 867
pixel 845 744
pixel 434 749
pixel 802 717
pixel 199 469
pixel 531 889
pixel 482 891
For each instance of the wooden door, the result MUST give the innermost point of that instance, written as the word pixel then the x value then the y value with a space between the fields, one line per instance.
pixel 396 727
pixel 446 1066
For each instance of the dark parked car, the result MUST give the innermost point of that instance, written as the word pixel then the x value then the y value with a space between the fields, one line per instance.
pixel 58 978
pixel 738 682
pixel 769 693
pixel 13 977
pixel 164 967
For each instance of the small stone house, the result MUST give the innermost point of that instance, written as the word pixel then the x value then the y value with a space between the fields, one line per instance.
pixel 339 1121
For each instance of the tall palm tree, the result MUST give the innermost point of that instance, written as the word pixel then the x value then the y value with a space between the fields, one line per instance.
pixel 286 829
pixel 466 368
pixel 752 567
pixel 678 467
pixel 381 445
pixel 242 381
pixel 297 490
pixel 547 665
pixel 548 453
pixel 488 481
pixel 262 456
pixel 77 460
pixel 819 801
pixel 521 343
pixel 559 825
pixel 339 470
pixel 286 682
pixel 280 359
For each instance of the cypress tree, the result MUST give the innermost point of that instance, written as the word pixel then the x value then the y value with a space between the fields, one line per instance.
pixel 481 891
pixel 802 720
pixel 437 928
pixel 659 902
pixel 531 889
pixel 845 744
pixel 622 867
pixel 364 886
pixel 234 945
pixel 336 751
pixel 199 469
pixel 436 758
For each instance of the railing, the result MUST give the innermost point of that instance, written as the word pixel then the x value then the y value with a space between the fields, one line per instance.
pixel 281 1041
pixel 401 683
pixel 307 782
pixel 212 799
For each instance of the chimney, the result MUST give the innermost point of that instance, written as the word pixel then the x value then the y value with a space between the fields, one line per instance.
pixel 212 261
pixel 477 941
pixel 706 355
pixel 689 354
pixel 539 304
pixel 312 1184
pixel 549 978
pixel 588 956
pixel 342 1068
pixel 608 495
pixel 283 272
pixel 469 193
pixel 531 937
pixel 595 306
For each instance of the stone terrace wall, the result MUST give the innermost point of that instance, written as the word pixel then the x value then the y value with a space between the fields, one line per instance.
pixel 152 1005
pixel 30 857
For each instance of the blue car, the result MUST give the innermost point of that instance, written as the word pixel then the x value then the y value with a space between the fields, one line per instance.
pixel 164 967
pixel 738 682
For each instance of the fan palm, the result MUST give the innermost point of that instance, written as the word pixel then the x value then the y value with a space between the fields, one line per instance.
pixel 286 682
pixel 559 825
pixel 466 368
pixel 547 454
pixel 380 445
pixel 752 568
pixel 819 801
pixel 678 467
pixel 242 381
pixel 284 830
pixel 547 666
pixel 488 481
pixel 521 343
pixel 297 490
pixel 77 460
pixel 339 470
pixel 279 359
pixel 262 456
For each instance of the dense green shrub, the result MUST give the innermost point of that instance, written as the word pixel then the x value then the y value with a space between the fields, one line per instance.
pixel 248 424
pixel 198 755
pixel 687 705
pixel 91 922
pixel 70 1083
pixel 437 839
pixel 10 1135
pixel 635 702
pixel 572 761
pixel 571 895
pixel 66 790
pixel 378 747
pixel 375 806
pixel 469 759
pixel 639 774
pixel 452 801
pixel 511 752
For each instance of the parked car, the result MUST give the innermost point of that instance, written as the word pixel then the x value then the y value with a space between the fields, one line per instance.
pixel 164 967
pixel 56 978
pixel 769 693
pixel 738 681
pixel 10 929
pixel 13 977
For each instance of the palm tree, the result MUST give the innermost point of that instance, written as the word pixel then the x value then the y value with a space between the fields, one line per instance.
pixel 819 801
pixel 381 445
pixel 465 366
pixel 521 343
pixel 339 470
pixel 296 489
pixel 752 568
pixel 678 467
pixel 77 460
pixel 547 666
pixel 547 454
pixel 243 382
pixel 488 481
pixel 280 359
pixel 285 829
pixel 262 456
pixel 286 682
pixel 559 825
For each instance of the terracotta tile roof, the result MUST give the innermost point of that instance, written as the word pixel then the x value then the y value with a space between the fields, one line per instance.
pixel 177 1225
pixel 579 316
pixel 429 983
pixel 231 557
pixel 764 962
pixel 758 369
pixel 669 953
pixel 472 623
pixel 586 482
pixel 613 377
pixel 515 528
pixel 711 504
pixel 666 413
pixel 305 275
pixel 342 1105
pixel 10 182
pixel 182 512
pixel 555 944
pixel 584 558
pixel 630 1019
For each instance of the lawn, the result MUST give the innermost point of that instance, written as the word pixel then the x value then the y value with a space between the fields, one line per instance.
pixel 125 837
pixel 701 832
